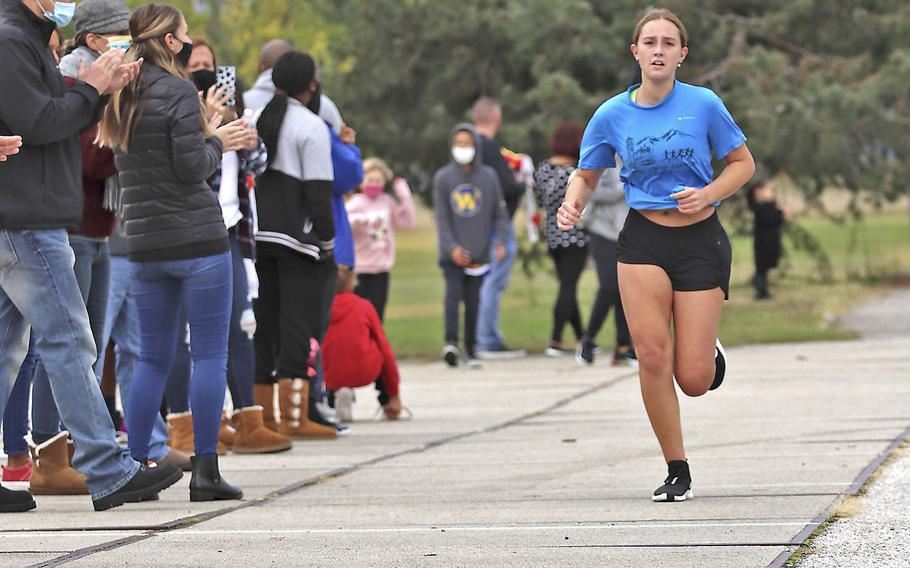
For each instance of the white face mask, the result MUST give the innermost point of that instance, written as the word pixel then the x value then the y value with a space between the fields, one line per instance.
pixel 463 156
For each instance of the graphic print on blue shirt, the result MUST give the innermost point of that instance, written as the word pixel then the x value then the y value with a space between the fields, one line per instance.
pixel 660 154
pixel 465 200
pixel 664 146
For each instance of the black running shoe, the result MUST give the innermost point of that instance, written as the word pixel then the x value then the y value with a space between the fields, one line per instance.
pixel 678 484
pixel 720 365
pixel 585 353
pixel 626 358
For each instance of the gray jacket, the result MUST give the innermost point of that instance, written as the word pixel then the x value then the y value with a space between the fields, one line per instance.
pixel 606 212
pixel 469 206
pixel 69 65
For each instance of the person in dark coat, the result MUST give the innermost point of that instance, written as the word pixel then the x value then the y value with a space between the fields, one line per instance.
pixel 41 197
pixel 766 232
pixel 166 149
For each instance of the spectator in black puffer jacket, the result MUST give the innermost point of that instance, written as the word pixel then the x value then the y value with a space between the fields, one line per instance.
pixel 165 150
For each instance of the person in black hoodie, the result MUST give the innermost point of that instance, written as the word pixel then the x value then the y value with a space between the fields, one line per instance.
pixel 295 245
pixel 165 150
pixel 41 196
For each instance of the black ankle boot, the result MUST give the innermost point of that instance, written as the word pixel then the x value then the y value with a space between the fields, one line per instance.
pixel 207 484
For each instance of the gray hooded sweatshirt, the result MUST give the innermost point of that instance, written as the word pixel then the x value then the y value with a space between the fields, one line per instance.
pixel 470 207
pixel 606 212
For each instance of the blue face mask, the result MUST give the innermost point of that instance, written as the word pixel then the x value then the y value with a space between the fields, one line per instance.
pixel 123 42
pixel 63 13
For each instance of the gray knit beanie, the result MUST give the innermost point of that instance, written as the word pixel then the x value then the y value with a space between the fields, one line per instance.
pixel 102 17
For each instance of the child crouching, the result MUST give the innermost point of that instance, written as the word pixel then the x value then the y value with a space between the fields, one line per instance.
pixel 356 353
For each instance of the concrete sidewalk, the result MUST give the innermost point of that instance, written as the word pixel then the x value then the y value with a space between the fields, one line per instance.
pixel 536 462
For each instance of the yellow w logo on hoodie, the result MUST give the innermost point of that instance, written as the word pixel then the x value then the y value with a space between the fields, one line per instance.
pixel 465 200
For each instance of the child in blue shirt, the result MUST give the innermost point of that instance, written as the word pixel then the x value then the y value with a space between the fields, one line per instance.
pixel 673 254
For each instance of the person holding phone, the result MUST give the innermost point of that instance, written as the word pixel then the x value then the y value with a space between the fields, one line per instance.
pixel 674 256
pixel 232 181
pixel 166 149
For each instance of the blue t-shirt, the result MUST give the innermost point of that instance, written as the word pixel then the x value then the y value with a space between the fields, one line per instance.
pixel 662 147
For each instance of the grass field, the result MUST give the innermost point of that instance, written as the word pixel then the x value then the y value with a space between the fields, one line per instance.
pixel 804 308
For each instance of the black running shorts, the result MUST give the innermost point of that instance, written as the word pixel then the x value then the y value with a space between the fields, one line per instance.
pixel 695 257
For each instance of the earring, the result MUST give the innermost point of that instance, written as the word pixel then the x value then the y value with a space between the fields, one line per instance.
pixel 678 65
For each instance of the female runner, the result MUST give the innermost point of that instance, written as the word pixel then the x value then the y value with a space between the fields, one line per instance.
pixel 673 254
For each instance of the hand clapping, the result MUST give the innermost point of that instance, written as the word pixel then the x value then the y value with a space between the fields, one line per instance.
pixel 108 73
pixel 9 145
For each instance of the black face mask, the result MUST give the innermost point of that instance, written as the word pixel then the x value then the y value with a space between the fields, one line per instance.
pixel 183 56
pixel 315 99
pixel 204 79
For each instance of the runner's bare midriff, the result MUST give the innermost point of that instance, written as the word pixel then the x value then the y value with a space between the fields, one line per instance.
pixel 676 218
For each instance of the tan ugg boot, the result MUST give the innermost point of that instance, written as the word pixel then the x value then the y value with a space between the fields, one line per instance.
pixel 181 438
pixel 226 434
pixel 264 396
pixel 292 401
pixel 180 427
pixel 252 435
pixel 52 473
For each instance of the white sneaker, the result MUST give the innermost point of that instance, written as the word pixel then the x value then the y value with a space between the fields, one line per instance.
pixel 451 355
pixel 474 363
pixel 557 353
pixel 344 404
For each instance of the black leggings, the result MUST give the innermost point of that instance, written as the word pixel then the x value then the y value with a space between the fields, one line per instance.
pixel 290 310
pixel 603 251
pixel 570 263
pixel 375 288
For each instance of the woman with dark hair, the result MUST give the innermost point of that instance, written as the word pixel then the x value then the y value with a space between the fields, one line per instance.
pixel 232 182
pixel 568 249
pixel 165 150
pixel 295 244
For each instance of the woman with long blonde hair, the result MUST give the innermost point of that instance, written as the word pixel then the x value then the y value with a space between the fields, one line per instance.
pixel 165 150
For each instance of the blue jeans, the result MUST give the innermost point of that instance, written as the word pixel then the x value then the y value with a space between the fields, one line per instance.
pixel 38 287
pixel 177 388
pixel 494 284
pixel 122 327
pixel 15 410
pixel 93 274
pixel 203 286
pixel 241 361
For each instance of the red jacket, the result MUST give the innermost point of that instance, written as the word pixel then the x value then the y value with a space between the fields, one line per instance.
pixel 97 166
pixel 355 351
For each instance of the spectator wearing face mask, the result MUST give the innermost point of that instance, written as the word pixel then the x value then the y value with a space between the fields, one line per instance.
pixel 38 287
pixel 232 181
pixel 166 149
pixel 470 211
pixel 264 88
pixel 296 244
pixel 100 25
pixel 375 215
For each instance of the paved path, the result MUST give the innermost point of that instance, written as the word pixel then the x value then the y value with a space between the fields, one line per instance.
pixel 536 462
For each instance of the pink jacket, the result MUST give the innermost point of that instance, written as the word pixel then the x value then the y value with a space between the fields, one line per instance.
pixel 373 222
